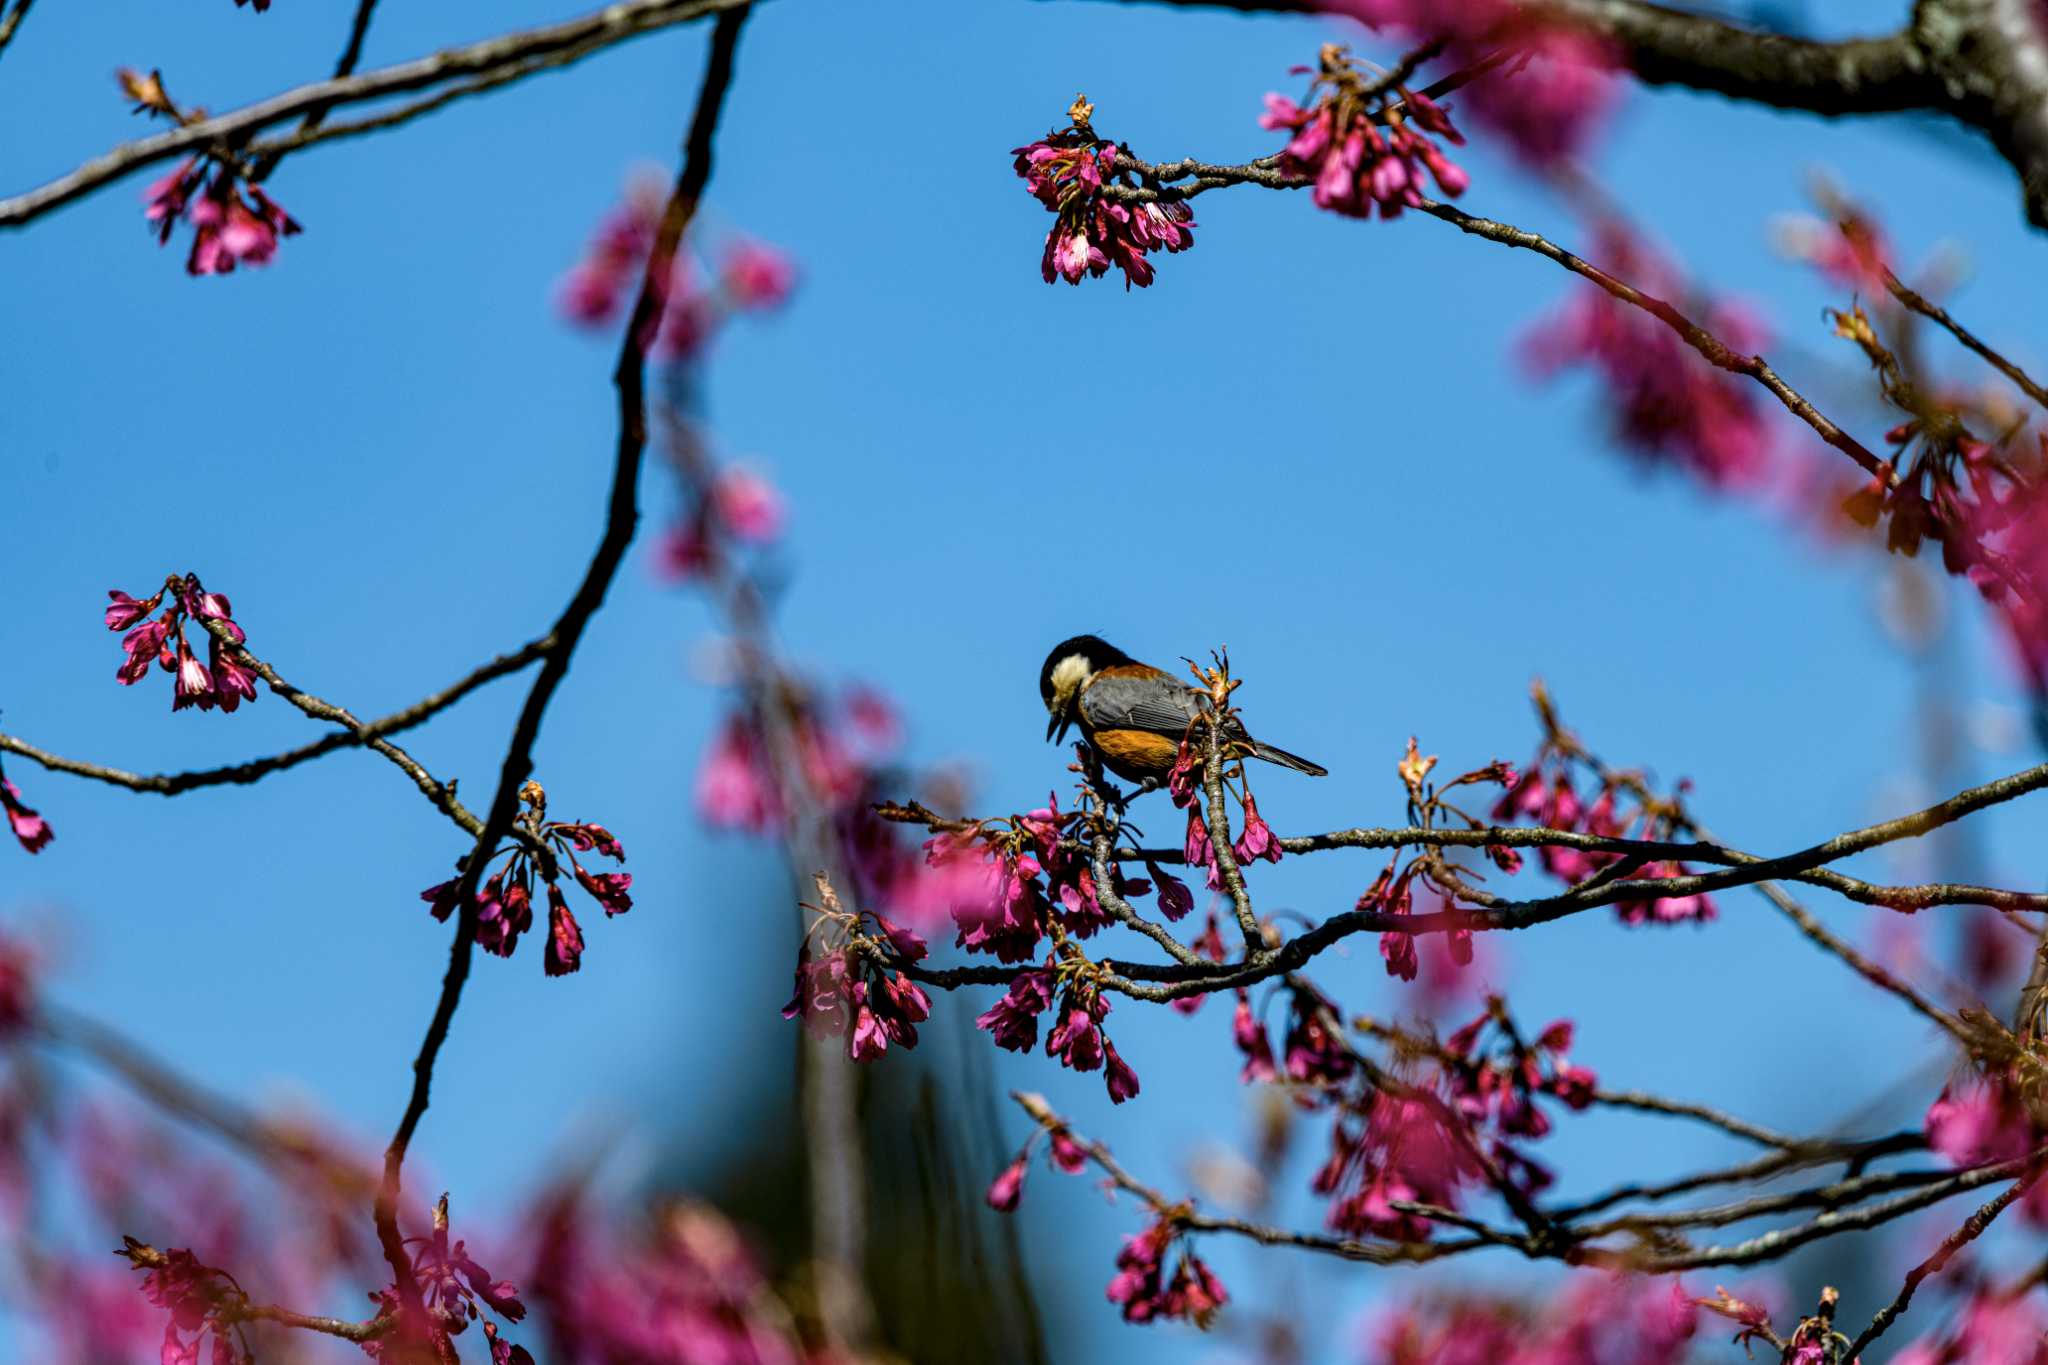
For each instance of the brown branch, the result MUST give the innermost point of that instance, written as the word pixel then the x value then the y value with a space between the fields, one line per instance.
pixel 1916 897
pixel 272 150
pixel 622 516
pixel 171 784
pixel 12 22
pixel 1972 1227
pixel 612 24
pixel 440 793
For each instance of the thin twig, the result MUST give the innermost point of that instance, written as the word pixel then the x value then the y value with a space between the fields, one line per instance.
pixel 171 784
pixel 442 794
pixel 1935 313
pixel 1972 1227
pixel 184 1098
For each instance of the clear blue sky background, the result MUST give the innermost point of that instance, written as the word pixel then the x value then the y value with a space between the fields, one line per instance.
pixel 390 453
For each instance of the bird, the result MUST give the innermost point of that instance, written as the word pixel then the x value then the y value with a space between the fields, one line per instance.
pixel 1134 715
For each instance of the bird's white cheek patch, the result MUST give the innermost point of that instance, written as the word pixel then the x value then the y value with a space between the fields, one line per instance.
pixel 1069 673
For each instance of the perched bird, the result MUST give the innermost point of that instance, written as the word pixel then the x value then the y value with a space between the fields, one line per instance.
pixel 1132 714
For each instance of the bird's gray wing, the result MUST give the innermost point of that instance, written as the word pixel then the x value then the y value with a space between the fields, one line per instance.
pixel 1116 702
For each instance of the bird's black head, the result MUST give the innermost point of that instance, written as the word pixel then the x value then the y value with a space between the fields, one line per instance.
pixel 1071 663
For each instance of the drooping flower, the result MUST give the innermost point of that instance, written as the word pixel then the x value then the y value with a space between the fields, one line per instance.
pixel 1004 1190
pixel 1257 839
pixel 233 223
pixel 749 507
pixel 1013 1020
pixel 1145 1293
pixel 1338 147
pixel 30 829
pixel 757 275
pixel 456 1291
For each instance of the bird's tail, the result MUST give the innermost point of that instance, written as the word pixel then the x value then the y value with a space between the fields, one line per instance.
pixel 1287 760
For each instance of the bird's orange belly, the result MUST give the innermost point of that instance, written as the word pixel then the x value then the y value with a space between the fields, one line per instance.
pixel 1135 754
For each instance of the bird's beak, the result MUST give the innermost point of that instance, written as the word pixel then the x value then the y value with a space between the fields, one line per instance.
pixel 1062 717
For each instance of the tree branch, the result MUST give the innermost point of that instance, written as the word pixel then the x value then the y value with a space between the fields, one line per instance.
pixel 609 25
pixel 171 784
pixel 622 516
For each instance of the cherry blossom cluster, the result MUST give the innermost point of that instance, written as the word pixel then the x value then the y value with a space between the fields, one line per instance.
pixel 1076 1037
pixel 1393 891
pixel 1336 142
pixel 234 222
pixel 1623 807
pixel 1598 1317
pixel 194 1296
pixel 748 276
pixel 1455 1123
pixel 846 985
pixel 222 680
pixel 31 830
pixel 538 848
pixel 1066 171
pixel 1667 405
pixel 686 1290
pixel 1983 502
pixel 840 741
pixel 1988 1118
pixel 1015 879
pixel 1541 86
pixel 1142 1288
pixel 455 1291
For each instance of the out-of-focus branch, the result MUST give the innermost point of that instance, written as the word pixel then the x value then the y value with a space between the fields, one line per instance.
pixel 622 516
pixel 589 33
pixel 1935 313
pixel 183 1098
pixel 172 784
pixel 1716 352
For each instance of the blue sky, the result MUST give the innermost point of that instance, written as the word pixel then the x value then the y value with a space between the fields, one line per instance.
pixel 387 449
